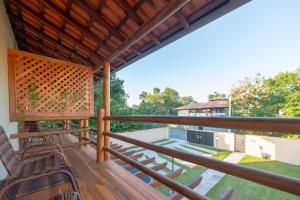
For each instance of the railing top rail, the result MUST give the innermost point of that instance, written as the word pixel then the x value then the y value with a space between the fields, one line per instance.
pixel 284 125
pixel 284 183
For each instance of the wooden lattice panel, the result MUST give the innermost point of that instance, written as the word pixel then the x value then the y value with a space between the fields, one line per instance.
pixel 43 88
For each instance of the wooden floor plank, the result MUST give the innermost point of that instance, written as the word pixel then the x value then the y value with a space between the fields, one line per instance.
pixel 106 180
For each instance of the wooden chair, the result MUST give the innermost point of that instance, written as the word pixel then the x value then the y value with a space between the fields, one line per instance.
pixel 55 185
pixel 67 196
pixel 29 164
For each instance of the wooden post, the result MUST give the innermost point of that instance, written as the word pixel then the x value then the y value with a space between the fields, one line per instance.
pixel 100 136
pixel 106 104
pixel 66 124
pixel 81 134
pixel 86 125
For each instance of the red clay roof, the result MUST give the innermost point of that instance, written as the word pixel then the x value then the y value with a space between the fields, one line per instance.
pixel 210 104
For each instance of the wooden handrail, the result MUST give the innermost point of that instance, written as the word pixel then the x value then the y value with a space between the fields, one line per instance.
pixel 284 183
pixel 46 133
pixel 285 125
pixel 181 189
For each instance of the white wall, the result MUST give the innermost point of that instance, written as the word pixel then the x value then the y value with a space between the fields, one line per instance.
pixel 149 135
pixel 224 141
pixel 7 41
pixel 281 149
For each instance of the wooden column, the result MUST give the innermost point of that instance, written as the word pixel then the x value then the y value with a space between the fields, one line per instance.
pixel 100 136
pixel 86 125
pixel 106 104
pixel 81 134
pixel 66 124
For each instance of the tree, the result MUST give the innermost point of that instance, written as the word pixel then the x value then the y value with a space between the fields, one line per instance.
pixel 216 95
pixel 186 100
pixel 161 103
pixel 268 97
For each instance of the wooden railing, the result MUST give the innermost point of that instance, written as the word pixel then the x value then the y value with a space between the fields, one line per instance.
pixel 284 183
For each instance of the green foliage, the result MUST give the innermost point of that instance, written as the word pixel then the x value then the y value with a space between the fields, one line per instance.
pixel 216 95
pixel 161 103
pixel 156 103
pixel 268 97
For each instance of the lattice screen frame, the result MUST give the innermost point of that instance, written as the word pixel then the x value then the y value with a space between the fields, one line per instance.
pixel 42 88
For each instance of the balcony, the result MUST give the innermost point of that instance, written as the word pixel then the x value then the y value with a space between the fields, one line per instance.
pixel 66 47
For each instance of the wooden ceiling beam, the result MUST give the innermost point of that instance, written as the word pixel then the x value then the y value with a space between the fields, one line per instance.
pixel 97 16
pixel 154 39
pixel 130 11
pixel 101 5
pixel 56 43
pixel 84 30
pixel 42 36
pixel 54 53
pixel 182 20
pixel 73 40
pixel 168 10
pixel 40 47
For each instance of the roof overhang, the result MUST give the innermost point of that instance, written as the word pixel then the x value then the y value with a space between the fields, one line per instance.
pixel 89 32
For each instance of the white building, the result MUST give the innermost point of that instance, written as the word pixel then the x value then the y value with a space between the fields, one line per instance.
pixel 212 108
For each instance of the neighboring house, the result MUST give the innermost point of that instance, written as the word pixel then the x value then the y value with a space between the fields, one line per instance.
pixel 212 108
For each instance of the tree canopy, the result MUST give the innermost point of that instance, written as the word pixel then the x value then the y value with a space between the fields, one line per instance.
pixel 155 103
pixel 216 95
pixel 268 97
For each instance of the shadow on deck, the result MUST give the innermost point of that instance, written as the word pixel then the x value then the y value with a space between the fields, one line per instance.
pixel 105 180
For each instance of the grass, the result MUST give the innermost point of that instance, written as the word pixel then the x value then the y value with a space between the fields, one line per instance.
pixel 167 158
pixel 247 190
pixel 220 155
pixel 186 178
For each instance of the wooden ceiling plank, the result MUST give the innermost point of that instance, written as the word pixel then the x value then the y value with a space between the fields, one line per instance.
pixel 42 48
pixel 171 8
pixel 20 4
pixel 99 19
pixel 55 53
pixel 130 11
pixel 36 31
pixel 101 5
pixel 84 30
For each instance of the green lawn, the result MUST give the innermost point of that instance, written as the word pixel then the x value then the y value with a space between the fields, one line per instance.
pixel 220 155
pixel 186 178
pixel 247 190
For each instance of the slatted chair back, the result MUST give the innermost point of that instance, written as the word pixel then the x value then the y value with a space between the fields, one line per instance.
pixel 7 154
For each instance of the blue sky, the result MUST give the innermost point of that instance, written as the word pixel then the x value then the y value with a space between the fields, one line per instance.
pixel 262 36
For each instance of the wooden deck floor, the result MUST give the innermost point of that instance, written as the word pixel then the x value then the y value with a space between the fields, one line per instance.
pixel 105 180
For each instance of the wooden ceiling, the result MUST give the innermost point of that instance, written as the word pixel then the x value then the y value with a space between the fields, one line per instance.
pixel 122 31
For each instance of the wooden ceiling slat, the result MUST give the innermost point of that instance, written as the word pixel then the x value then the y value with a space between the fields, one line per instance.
pixel 62 32
pixel 130 11
pixel 99 19
pixel 83 29
pixel 45 37
pixel 171 8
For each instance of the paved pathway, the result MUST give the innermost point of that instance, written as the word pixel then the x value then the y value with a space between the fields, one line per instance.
pixel 212 177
